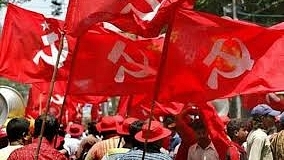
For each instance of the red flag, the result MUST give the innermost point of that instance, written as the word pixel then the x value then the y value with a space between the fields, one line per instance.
pixel 216 129
pixel 29 47
pixel 121 67
pixel 218 58
pixel 139 106
pixel 73 105
pixel 275 100
pixel 38 98
pixel 130 106
pixel 132 15
pixel 79 11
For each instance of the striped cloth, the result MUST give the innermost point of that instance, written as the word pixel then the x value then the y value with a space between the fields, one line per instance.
pixel 100 148
pixel 137 155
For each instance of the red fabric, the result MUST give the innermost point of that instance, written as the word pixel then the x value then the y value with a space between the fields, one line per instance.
pixel 38 98
pixel 190 50
pixel 130 106
pixel 79 11
pixel 82 14
pixel 216 130
pixel 139 106
pixel 251 100
pixel 21 41
pixel 73 104
pixel 47 152
pixel 185 132
pixel 122 66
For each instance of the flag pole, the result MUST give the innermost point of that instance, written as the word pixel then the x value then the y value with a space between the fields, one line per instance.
pixel 51 86
pixel 68 83
pixel 159 77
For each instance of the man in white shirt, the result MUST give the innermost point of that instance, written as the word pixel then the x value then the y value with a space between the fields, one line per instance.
pixel 203 149
pixel 258 144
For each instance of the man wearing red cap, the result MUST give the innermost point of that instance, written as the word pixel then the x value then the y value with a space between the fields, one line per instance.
pixel 107 127
pixel 123 131
pixel 154 137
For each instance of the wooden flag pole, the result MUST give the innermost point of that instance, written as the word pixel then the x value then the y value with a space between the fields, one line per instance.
pixel 51 86
pixel 159 77
pixel 68 82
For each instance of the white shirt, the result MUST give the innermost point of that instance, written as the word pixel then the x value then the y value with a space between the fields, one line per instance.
pixel 258 146
pixel 5 152
pixel 195 152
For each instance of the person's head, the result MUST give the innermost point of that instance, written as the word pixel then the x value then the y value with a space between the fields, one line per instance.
pixel 263 116
pixel 281 121
pixel 123 130
pixel 201 133
pixel 17 129
pixel 92 129
pixel 169 122
pixel 236 130
pixel 75 130
pixel 134 128
pixel 107 126
pixel 154 135
pixel 51 126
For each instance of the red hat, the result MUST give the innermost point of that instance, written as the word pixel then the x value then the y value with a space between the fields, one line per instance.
pixel 156 132
pixel 124 127
pixel 2 133
pixel 107 123
pixel 75 130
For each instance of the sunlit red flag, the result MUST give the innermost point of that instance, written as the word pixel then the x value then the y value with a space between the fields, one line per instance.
pixel 142 17
pixel 29 47
pixel 211 57
pixel 121 67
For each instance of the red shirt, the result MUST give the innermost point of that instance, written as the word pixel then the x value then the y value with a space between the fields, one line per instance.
pixel 47 152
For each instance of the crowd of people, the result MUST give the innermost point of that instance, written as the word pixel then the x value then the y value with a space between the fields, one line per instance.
pixel 173 137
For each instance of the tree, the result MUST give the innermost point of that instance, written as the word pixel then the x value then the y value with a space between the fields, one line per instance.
pixel 263 12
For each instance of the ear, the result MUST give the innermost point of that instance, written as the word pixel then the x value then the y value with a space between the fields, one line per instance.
pixel 236 133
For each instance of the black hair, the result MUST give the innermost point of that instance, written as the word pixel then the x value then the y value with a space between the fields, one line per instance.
pixel 197 124
pixel 257 121
pixel 234 125
pixel 134 128
pixel 169 119
pixel 51 126
pixel 92 129
pixel 17 128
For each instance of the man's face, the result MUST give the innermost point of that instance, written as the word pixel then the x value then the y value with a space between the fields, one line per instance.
pixel 242 134
pixel 268 121
pixel 201 134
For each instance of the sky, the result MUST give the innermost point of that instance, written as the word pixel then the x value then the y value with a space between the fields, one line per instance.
pixel 40 6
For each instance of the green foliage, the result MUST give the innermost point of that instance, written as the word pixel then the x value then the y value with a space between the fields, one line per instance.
pixel 212 6
pixel 263 12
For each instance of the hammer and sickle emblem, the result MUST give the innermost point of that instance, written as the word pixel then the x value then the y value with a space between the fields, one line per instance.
pixel 49 40
pixel 241 64
pixel 154 4
pixel 57 99
pixel 117 52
